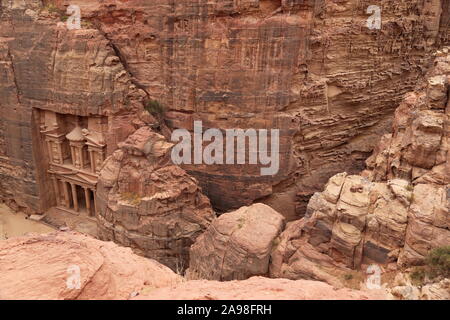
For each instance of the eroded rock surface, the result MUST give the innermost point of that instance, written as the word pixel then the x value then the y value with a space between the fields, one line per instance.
pixel 42 267
pixel 237 245
pixel 47 68
pixel 309 68
pixel 259 288
pixel 47 266
pixel 396 211
pixel 148 204
pixel 403 289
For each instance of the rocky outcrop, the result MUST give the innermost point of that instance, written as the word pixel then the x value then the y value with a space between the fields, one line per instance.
pixel 418 152
pixel 403 289
pixel 310 68
pixel 236 245
pixel 436 291
pixel 397 210
pixel 48 266
pixel 258 288
pixel 148 204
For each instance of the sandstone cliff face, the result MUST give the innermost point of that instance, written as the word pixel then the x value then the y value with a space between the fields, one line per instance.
pixel 396 210
pixel 47 266
pixel 403 289
pixel 44 66
pixel 327 81
pixel 259 288
pixel 309 68
pixel 148 204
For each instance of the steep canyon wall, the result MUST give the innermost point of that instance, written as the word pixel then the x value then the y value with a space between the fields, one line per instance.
pixel 310 68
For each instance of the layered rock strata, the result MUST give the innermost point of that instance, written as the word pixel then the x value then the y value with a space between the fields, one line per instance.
pixel 397 210
pixel 312 69
pixel 47 68
pixel 148 204
pixel 70 266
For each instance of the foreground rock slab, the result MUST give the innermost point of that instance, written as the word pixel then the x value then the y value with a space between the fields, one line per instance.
pixel 47 267
pixel 237 245
pixel 258 288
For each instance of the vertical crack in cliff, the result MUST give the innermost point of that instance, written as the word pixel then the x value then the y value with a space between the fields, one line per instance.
pixel 16 84
pixel 54 59
pixel 123 61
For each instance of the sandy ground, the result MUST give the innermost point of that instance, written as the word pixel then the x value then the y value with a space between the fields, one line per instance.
pixel 15 224
pixel 59 218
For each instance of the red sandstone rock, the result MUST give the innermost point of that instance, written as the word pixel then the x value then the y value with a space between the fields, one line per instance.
pixel 258 288
pixel 148 204
pixel 311 68
pixel 396 211
pixel 38 267
pixel 236 245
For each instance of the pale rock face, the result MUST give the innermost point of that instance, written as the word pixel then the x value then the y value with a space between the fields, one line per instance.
pixel 259 288
pixel 403 289
pixel 46 267
pixel 395 211
pixel 148 204
pixel 436 291
pixel 237 245
pixel 406 292
pixel 42 267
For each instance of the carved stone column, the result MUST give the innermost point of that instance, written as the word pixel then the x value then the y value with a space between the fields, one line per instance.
pixel 74 196
pixel 57 193
pixel 66 194
pixel 95 202
pixel 88 200
pixel 91 157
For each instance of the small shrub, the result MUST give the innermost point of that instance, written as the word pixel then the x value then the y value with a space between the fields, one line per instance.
pixel 438 261
pixel 131 198
pixel 275 242
pixel 437 264
pixel 87 24
pixel 418 276
pixel 241 223
pixel 348 277
pixel 154 107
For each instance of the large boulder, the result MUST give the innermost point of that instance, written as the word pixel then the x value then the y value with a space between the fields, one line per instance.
pixel 404 289
pixel 237 245
pixel 47 267
pixel 395 211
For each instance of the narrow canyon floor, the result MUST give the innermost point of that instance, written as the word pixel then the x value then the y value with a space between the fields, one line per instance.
pixel 17 224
